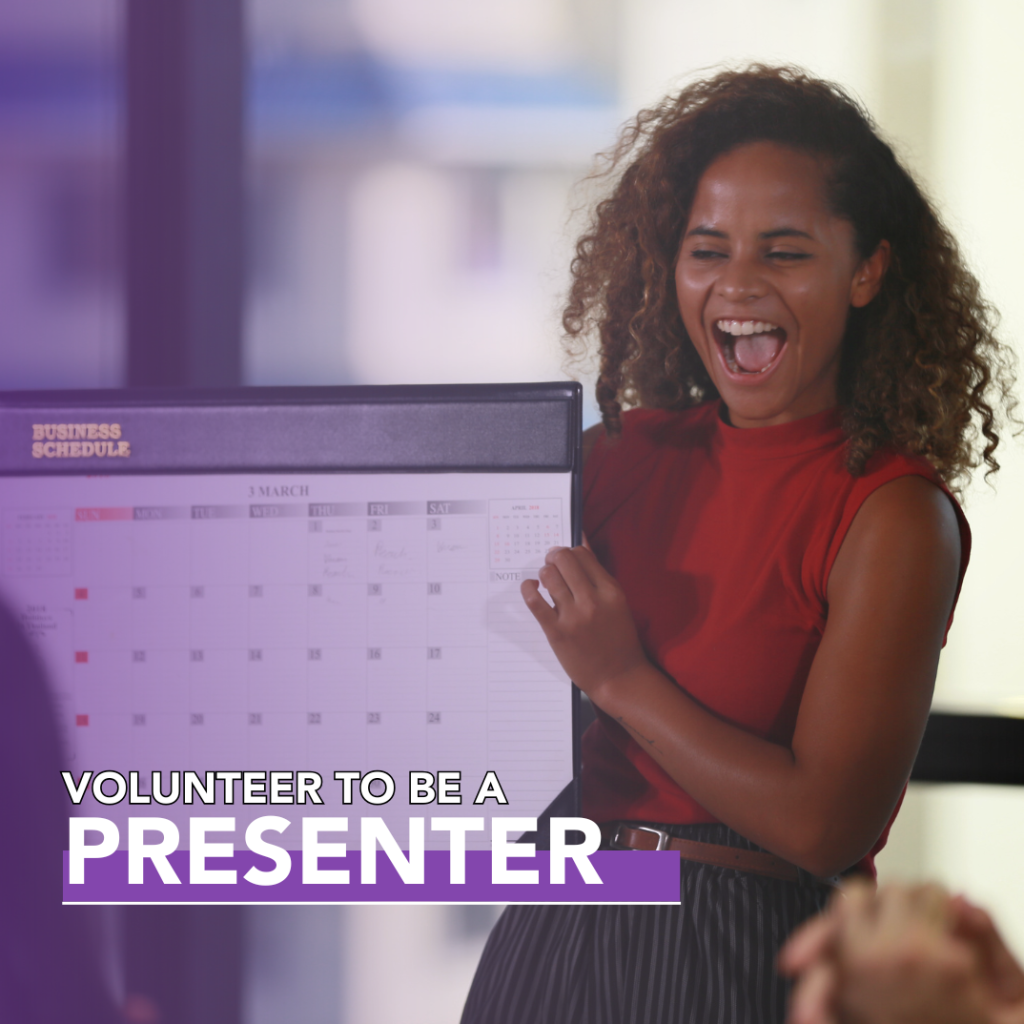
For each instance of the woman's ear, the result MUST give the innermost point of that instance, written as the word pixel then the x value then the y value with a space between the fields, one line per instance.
pixel 867 281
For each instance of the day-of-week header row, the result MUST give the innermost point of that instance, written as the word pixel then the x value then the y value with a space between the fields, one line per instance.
pixel 324 510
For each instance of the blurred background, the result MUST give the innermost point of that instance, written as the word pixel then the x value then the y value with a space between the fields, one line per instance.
pixel 387 191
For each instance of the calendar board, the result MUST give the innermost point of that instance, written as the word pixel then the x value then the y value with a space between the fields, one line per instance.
pixel 309 579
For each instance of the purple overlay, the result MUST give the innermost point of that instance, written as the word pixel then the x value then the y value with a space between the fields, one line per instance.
pixel 626 877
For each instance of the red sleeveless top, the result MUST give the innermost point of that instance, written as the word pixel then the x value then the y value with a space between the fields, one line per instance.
pixel 723 540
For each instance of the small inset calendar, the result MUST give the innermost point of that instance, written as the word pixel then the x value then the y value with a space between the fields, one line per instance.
pixel 37 542
pixel 523 531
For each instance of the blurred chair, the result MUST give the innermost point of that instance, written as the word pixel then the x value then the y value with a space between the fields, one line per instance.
pixel 971 748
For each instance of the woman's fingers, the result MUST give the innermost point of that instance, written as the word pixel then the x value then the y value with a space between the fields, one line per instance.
pixel 542 611
pixel 555 584
pixel 582 571
pixel 590 628
pixel 570 563
pixel 566 579
pixel 598 575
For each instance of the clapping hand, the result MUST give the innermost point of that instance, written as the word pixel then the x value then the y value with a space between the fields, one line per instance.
pixel 904 955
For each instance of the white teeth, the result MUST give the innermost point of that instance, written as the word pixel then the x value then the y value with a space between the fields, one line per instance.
pixel 738 327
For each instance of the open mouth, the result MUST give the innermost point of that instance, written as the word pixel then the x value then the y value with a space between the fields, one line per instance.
pixel 749 346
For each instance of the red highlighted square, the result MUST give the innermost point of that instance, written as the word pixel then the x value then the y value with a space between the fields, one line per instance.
pixel 81 719
pixel 81 593
pixel 81 657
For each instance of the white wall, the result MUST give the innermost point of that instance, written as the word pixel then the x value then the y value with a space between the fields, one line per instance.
pixel 978 155
pixel 664 42
pixel 971 837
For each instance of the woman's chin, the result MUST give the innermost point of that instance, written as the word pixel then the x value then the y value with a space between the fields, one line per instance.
pixel 778 397
pixel 758 408
pixel 748 403
pixel 769 410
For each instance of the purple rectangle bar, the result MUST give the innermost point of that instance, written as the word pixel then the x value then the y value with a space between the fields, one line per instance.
pixel 627 876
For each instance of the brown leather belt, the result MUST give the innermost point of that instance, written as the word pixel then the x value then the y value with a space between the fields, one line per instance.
pixel 646 837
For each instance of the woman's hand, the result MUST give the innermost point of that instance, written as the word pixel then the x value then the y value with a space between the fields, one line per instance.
pixel 902 955
pixel 590 628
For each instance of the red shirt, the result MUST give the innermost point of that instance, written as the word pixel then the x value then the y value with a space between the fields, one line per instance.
pixel 723 540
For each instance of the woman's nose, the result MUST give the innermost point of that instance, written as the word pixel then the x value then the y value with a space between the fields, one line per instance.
pixel 740 280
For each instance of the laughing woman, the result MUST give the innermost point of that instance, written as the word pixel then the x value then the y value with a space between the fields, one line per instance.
pixel 775 550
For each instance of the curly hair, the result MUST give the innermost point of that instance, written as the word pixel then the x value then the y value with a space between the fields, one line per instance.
pixel 920 368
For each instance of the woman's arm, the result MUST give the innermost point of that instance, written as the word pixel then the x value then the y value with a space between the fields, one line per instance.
pixel 823 802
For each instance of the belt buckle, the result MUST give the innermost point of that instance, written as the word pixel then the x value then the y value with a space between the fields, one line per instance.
pixel 663 837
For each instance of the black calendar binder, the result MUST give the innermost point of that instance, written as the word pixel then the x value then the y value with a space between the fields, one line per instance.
pixel 533 428
pixel 443 428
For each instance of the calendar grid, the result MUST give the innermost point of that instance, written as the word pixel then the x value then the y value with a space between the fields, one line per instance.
pixel 371 624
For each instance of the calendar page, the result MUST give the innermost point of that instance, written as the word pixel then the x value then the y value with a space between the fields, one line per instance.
pixel 320 622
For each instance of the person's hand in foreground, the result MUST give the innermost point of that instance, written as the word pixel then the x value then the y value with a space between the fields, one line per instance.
pixel 903 955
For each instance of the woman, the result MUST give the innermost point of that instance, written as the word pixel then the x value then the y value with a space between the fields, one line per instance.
pixel 774 549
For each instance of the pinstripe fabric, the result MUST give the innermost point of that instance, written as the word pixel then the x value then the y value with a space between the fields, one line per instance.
pixel 709 960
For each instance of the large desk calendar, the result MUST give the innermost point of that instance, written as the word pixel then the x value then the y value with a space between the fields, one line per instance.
pixel 302 579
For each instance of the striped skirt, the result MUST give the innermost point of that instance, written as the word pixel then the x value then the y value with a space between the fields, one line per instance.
pixel 709 960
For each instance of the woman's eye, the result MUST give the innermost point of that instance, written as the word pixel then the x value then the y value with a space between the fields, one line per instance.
pixel 785 256
pixel 706 254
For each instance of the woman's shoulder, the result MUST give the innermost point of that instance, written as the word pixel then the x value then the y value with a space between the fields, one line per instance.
pixel 889 465
pixel 903 499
